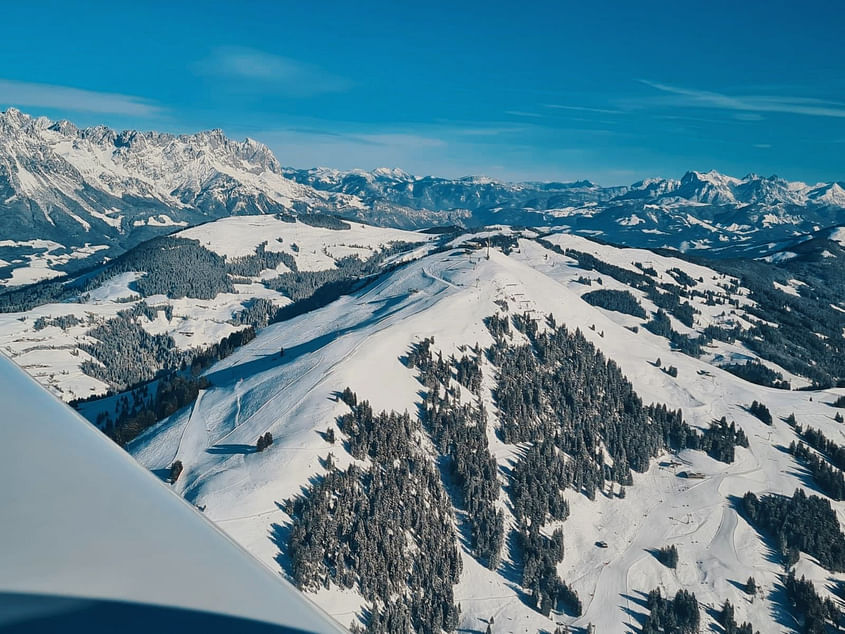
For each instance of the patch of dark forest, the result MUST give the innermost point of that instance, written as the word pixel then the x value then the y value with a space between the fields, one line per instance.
pixel 586 430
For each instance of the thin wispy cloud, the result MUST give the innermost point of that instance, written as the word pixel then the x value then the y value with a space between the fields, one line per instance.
pixel 489 132
pixel 384 139
pixel 688 97
pixel 272 72
pixel 28 94
pixel 556 106
pixel 523 113
pixel 444 148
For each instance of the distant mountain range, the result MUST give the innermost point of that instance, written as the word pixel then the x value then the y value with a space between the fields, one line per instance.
pixel 700 212
pixel 71 196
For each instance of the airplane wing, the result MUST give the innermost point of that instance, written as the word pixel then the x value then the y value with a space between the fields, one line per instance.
pixel 91 541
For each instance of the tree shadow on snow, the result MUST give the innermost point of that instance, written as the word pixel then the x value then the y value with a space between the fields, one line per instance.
pixel 781 612
pixel 161 474
pixel 739 585
pixel 639 599
pixel 714 614
pixel 771 553
pixel 231 449
pixel 279 535
pixel 453 490
pixel 654 552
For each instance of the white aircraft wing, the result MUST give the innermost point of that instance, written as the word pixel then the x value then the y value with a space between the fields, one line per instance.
pixel 90 541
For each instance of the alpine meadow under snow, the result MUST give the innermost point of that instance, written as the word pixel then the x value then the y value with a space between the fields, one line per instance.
pixel 452 404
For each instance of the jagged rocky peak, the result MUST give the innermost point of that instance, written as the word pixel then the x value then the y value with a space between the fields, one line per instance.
pixel 14 122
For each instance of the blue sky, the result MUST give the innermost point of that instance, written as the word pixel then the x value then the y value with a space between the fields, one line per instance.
pixel 613 91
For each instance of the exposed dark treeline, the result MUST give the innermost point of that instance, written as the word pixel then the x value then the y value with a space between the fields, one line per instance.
pixel 63 321
pixel 668 556
pixel 721 438
pixel 324 221
pixel 802 334
pixel 252 265
pixel 620 301
pixel 561 395
pixel 560 388
pixel 176 267
pixel 468 371
pixel 829 479
pixel 761 411
pixel 800 523
pixel 257 312
pixel 175 389
pixel 460 432
pixel 203 358
pixel 682 277
pixel 815 612
pixel 172 394
pixel 679 615
pixel 540 556
pixel 537 483
pixel 592 263
pixel 671 302
pixel 126 354
pixel 387 530
pixel 666 296
pixel 661 326
pixel 299 285
pixel 793 342
pixel 727 620
pixel 756 372
pixel 817 440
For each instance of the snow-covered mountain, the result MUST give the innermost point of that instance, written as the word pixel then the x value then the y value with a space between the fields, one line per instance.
pixel 62 182
pixel 730 210
pixel 70 197
pixel 364 341
pixel 503 419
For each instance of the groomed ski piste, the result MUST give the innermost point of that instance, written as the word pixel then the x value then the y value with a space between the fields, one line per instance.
pixel 358 340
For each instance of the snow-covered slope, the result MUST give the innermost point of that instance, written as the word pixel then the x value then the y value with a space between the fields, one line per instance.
pixel 359 341
pixel 84 526
pixel 49 340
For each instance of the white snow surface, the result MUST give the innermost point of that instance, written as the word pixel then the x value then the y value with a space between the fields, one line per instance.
pixel 38 266
pixel 314 248
pixel 54 357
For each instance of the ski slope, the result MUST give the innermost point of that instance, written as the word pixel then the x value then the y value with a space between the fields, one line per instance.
pixel 54 355
pixel 358 341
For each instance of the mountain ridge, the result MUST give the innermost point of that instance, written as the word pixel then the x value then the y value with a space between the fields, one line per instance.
pixel 71 196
